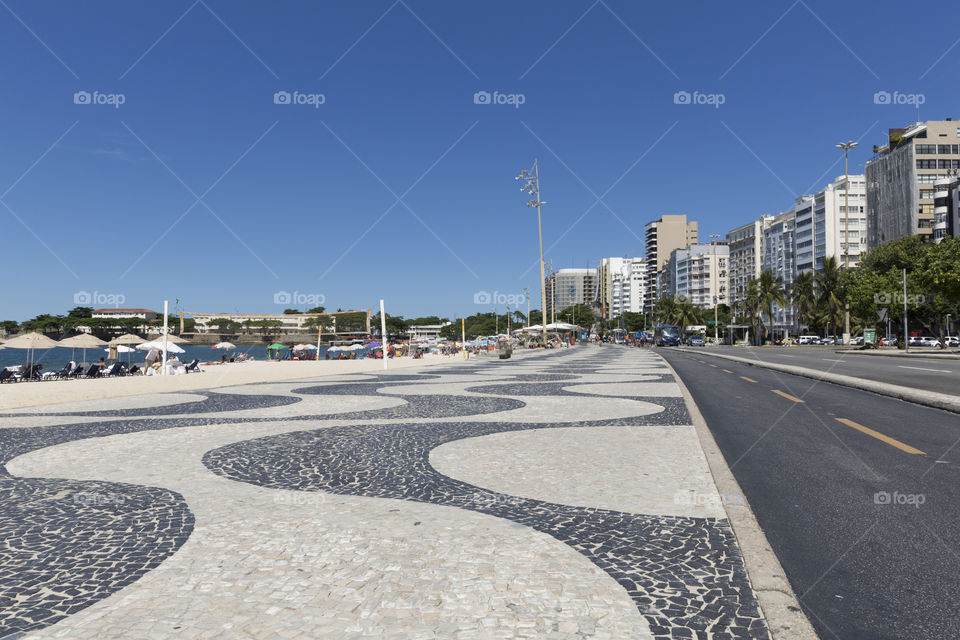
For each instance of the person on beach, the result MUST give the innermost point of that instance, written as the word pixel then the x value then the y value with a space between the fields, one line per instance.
pixel 101 364
pixel 152 356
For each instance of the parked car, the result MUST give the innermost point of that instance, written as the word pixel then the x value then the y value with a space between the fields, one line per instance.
pixel 858 340
pixel 952 341
pixel 696 340
pixel 889 341
pixel 930 341
pixel 808 340
pixel 829 340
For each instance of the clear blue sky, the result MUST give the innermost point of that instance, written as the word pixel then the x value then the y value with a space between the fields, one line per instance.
pixel 291 194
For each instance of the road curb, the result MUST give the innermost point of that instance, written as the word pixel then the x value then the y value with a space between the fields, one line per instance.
pixel 779 604
pixel 925 398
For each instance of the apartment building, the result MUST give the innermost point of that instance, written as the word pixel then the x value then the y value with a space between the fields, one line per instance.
pixel 746 255
pixel 946 208
pixel 621 283
pixel 900 179
pixel 567 287
pixel 779 258
pixel 823 222
pixel 699 273
pixel 662 237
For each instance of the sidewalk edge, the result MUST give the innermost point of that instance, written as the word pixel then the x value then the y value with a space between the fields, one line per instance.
pixel 779 604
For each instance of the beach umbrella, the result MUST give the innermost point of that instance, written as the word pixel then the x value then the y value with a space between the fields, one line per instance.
pixel 354 347
pixel 370 345
pixel 82 341
pixel 306 347
pixel 122 349
pixel 127 338
pixel 158 345
pixel 224 345
pixel 31 341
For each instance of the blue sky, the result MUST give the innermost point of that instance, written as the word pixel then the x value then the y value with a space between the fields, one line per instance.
pixel 200 188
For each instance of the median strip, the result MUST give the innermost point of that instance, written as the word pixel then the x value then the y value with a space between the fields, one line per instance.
pixel 879 436
pixel 786 395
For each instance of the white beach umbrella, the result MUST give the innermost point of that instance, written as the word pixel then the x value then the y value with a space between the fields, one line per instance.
pixel 127 338
pixel 158 345
pixel 82 341
pixel 224 345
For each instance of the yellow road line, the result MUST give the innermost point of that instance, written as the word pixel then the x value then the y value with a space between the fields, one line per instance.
pixel 714 366
pixel 726 370
pixel 879 436
pixel 748 379
pixel 786 395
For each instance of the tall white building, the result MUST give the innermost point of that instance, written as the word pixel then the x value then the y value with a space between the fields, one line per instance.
pixel 698 274
pixel 621 284
pixel 823 222
pixel 779 259
pixel 746 255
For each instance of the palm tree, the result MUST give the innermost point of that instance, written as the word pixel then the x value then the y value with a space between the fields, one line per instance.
pixel 829 289
pixel 751 307
pixel 769 292
pixel 687 314
pixel 803 295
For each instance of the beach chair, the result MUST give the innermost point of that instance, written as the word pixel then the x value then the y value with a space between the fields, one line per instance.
pixel 93 371
pixel 31 371
pixel 8 375
pixel 135 370
pixel 63 373
pixel 194 367
pixel 77 371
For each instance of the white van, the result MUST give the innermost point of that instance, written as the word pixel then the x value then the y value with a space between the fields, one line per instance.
pixel 808 340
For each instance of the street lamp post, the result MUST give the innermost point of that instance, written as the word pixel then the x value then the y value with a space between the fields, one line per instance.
pixel 846 147
pixel 531 185
pixel 714 274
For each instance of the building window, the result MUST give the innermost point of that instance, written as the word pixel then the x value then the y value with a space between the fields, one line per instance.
pixel 926 149
pixel 926 164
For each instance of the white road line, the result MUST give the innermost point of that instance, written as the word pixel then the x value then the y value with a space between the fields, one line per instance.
pixel 834 360
pixel 924 369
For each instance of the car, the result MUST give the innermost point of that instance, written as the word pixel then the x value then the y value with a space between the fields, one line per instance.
pixel 696 341
pixel 808 340
pixel 829 340
pixel 889 341
pixel 952 341
pixel 857 340
pixel 930 341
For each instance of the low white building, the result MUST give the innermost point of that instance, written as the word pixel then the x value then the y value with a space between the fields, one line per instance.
pixel 144 314
pixel 425 332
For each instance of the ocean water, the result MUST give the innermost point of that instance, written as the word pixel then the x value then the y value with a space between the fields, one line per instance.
pixel 54 359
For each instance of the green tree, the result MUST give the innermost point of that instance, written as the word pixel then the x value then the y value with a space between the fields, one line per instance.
pixel 291 311
pixel 803 296
pixel 10 326
pixel 830 291
pixel 769 292
pixel 80 312
pixel 317 310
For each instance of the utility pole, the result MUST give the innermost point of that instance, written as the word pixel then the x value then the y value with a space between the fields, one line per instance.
pixel 531 185
pixel 526 292
pixel 846 147
pixel 906 338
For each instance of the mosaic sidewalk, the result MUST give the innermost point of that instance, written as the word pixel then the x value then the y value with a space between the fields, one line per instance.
pixel 553 495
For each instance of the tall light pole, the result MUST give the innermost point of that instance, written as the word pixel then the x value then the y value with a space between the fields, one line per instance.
pixel 531 185
pixel 526 292
pixel 846 147
pixel 715 274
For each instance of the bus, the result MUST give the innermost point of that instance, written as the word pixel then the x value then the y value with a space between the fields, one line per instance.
pixel 666 335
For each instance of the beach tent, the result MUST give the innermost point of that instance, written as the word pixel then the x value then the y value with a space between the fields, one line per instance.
pixel 31 341
pixel 82 341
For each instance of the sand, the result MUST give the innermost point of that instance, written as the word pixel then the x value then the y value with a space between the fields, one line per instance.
pixel 32 394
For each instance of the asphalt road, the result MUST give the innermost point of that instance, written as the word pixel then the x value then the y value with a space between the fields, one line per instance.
pixel 866 527
pixel 931 374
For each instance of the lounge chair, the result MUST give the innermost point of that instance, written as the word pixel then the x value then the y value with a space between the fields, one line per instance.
pixel 135 370
pixel 31 371
pixel 76 372
pixel 63 373
pixel 194 366
pixel 93 371
pixel 8 375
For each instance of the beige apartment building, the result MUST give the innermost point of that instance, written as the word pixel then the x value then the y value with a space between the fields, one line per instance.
pixel 746 256
pixel 901 177
pixel 663 236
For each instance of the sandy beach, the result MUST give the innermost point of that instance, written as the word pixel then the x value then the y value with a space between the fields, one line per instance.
pixel 33 394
